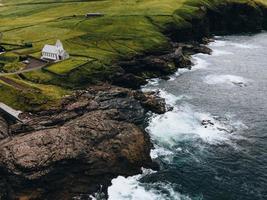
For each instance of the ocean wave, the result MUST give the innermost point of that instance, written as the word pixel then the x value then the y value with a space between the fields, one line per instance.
pixel 243 45
pixel 217 52
pixel 198 64
pixel 170 98
pixel 223 43
pixel 228 79
pixel 185 124
pixel 218 43
pixel 132 189
pixel 161 152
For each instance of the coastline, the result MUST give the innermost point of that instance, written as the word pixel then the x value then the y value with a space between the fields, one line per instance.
pixel 155 65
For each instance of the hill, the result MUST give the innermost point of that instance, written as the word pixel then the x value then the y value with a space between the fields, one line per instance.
pixel 127 29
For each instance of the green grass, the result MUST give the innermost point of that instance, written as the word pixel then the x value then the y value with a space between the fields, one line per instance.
pixel 129 28
pixel 32 97
pixel 13 67
pixel 9 57
pixel 66 66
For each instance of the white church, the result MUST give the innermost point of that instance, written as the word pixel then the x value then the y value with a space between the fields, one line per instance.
pixel 54 52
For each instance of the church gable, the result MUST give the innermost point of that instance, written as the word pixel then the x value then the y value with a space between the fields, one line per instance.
pixel 54 52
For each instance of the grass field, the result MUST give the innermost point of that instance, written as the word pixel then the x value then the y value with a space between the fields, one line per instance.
pixel 128 28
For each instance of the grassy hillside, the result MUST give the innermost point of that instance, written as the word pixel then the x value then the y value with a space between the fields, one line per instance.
pixel 128 28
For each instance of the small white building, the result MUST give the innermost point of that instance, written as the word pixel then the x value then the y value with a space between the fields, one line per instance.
pixel 54 52
pixel 9 113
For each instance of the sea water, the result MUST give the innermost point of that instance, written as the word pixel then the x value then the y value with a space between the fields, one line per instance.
pixel 213 144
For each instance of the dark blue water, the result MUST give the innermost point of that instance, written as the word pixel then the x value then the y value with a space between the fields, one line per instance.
pixel 213 145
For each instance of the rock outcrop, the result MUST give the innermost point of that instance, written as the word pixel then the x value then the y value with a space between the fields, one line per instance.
pixel 135 71
pixel 3 128
pixel 97 133
pixel 223 18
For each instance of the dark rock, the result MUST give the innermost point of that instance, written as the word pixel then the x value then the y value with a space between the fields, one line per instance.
pixel 194 48
pixel 2 49
pixel 151 101
pixel 3 128
pixel 166 78
pixel 96 133
pixel 207 40
pixel 129 80
pixel 226 18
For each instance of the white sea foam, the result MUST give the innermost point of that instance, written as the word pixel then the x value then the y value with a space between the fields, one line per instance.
pixel 217 52
pixel 153 82
pixel 198 63
pixel 151 85
pixel 162 152
pixel 180 125
pixel 228 79
pixel 243 45
pixel 222 43
pixel 218 43
pixel 185 124
pixel 132 189
pixel 170 98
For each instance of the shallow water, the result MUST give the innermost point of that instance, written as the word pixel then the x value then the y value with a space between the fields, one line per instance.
pixel 213 145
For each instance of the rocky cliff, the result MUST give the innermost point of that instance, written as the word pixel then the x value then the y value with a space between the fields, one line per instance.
pixel 96 135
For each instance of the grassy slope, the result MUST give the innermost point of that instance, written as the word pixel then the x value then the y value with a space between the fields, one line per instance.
pixel 128 28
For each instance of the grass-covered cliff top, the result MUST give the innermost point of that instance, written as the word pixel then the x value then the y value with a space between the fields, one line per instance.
pixel 128 28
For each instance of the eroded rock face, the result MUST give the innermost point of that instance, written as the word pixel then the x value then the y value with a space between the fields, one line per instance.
pixel 135 71
pixel 96 133
pixel 3 128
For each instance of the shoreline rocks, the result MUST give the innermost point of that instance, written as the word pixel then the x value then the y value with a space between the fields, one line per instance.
pixel 97 133
pixel 136 71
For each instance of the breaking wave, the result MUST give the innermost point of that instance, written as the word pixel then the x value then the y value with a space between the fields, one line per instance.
pixel 228 79
pixel 198 63
pixel 132 188
pixel 185 124
pixel 217 52
pixel 177 132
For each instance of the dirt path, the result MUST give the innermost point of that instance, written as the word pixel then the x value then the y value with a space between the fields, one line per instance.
pixel 21 71
pixel 13 83
pixel 34 64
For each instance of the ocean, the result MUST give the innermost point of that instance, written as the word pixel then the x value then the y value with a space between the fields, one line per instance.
pixel 213 144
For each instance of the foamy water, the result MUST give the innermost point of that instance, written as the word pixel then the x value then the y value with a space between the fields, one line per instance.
pixel 226 79
pixel 206 146
pixel 183 123
pixel 223 43
pixel 198 64
pixel 221 53
pixel 132 189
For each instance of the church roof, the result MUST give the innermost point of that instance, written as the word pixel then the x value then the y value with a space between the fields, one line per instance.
pixel 50 49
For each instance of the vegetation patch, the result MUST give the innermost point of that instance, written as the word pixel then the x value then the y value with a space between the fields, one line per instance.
pixel 126 29
pixel 66 66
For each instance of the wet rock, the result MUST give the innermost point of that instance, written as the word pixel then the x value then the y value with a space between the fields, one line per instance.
pixel 97 132
pixel 2 49
pixel 151 101
pixel 194 48
pixel 206 40
pixel 159 64
pixel 3 128
pixel 207 123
